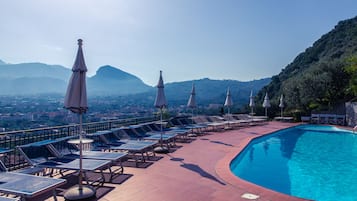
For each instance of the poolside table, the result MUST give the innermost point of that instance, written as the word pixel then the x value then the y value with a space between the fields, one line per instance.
pixel 28 186
pixel 86 143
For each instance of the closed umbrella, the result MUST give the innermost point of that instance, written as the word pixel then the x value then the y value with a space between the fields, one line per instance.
pixel 160 102
pixel 76 101
pixel 266 103
pixel 251 102
pixel 229 102
pixel 281 105
pixel 192 100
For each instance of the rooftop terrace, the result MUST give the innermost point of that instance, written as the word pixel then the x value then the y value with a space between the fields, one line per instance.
pixel 198 170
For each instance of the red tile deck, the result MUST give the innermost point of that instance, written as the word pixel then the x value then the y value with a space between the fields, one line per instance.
pixel 197 171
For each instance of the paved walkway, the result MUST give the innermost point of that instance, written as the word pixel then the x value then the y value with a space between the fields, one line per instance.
pixel 196 171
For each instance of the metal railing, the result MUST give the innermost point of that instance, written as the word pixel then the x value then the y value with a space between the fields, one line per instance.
pixel 10 140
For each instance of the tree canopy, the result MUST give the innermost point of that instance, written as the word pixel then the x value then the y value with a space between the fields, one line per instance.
pixel 321 78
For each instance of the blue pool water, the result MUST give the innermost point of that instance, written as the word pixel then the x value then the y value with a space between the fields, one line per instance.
pixel 309 161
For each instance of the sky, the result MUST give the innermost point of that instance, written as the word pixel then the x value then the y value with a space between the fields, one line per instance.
pixel 186 39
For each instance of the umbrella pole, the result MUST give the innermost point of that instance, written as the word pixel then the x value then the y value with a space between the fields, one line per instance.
pixel 266 112
pixel 281 112
pixel 80 152
pixel 161 126
pixel 161 148
pixel 192 121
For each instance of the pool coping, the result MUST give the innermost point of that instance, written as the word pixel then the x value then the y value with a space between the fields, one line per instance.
pixel 223 171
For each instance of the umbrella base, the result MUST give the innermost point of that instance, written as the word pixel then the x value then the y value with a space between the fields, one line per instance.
pixel 85 194
pixel 161 150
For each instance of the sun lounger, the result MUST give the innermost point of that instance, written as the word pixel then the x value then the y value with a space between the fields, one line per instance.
pixel 62 149
pixel 187 123
pixel 212 123
pixel 38 155
pixel 109 142
pixel 25 185
pixel 166 138
pixel 134 148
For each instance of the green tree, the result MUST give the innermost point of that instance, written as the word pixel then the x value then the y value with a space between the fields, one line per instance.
pixel 351 69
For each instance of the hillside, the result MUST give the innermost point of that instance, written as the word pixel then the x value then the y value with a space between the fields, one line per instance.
pixel 317 79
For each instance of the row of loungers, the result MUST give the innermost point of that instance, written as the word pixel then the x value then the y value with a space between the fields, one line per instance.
pixel 228 121
pixel 21 185
pixel 57 156
pixel 105 154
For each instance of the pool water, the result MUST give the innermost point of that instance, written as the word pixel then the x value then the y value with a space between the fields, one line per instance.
pixel 309 161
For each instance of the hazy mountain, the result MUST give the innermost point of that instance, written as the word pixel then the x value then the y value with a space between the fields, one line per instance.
pixel 38 78
pixel 33 70
pixel 31 85
pixel 112 81
pixel 214 91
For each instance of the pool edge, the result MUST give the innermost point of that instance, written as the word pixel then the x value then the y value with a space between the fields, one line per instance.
pixel 222 169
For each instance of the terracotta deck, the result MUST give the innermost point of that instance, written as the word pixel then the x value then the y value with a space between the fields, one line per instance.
pixel 195 171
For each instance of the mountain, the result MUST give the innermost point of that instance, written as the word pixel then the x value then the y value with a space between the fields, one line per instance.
pixel 39 78
pixel 112 81
pixel 32 78
pixel 317 79
pixel 34 70
pixel 214 91
pixel 30 85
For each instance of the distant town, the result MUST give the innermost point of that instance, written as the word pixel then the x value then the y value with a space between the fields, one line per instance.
pixel 29 112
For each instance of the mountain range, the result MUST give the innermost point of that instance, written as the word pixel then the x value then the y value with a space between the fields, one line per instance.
pixel 321 78
pixel 39 78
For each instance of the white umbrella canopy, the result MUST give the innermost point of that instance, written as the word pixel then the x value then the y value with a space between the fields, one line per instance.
pixel 76 95
pixel 251 102
pixel 229 102
pixel 192 100
pixel 160 100
pixel 76 101
pixel 266 103
pixel 281 105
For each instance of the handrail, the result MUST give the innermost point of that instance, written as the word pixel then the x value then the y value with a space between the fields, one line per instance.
pixel 127 120
pixel 12 139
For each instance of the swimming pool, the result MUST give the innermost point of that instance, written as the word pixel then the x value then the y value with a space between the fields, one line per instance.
pixel 307 161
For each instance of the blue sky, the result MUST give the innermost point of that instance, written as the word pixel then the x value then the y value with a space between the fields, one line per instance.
pixel 187 39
